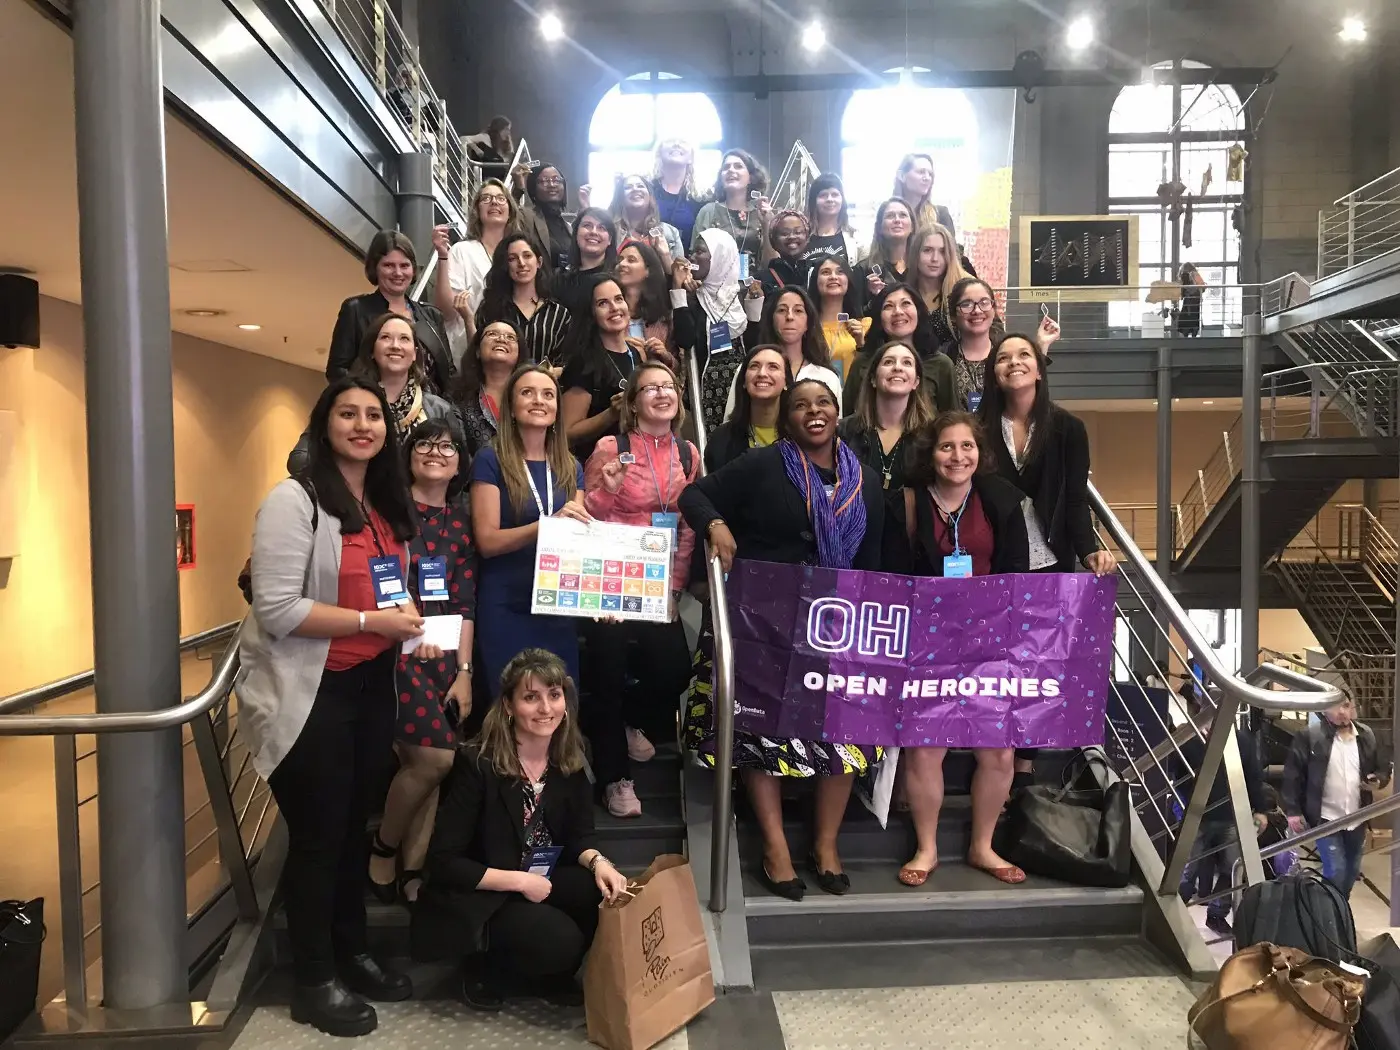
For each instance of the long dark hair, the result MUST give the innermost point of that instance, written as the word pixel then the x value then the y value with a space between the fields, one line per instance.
pixel 432 430
pixel 610 256
pixel 742 417
pixel 584 341
pixel 499 291
pixel 654 302
pixel 922 336
pixel 853 302
pixel 470 377
pixel 814 348
pixel 385 489
pixel 880 244
pixel 829 181
pixel 758 178
pixel 993 405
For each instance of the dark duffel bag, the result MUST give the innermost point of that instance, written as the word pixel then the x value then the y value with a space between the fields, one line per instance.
pixel 1379 1027
pixel 1302 910
pixel 1080 833
pixel 21 943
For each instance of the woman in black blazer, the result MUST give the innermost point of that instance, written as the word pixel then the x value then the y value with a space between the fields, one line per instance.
pixel 391 266
pixel 514 877
pixel 962 520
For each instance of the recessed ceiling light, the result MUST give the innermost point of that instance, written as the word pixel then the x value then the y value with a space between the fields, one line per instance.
pixel 1353 30
pixel 204 313
pixel 813 36
pixel 1079 34
pixel 251 327
pixel 1207 402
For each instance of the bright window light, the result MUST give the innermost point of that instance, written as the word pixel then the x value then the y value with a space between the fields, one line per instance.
pixel 1353 30
pixel 814 36
pixel 551 27
pixel 625 129
pixel 1079 34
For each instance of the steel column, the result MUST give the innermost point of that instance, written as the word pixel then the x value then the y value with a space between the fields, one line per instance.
pixel 1395 729
pixel 1166 531
pixel 415 201
pixel 1249 498
pixel 120 117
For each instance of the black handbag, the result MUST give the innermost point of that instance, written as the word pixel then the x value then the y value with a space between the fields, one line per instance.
pixel 1379 1026
pixel 21 943
pixel 1079 833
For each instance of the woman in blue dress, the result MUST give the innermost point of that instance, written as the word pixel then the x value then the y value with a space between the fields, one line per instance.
pixel 526 474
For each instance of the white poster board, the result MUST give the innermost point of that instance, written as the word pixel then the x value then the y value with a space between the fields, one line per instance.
pixel 602 569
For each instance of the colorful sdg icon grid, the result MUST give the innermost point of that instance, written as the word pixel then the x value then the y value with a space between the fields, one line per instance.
pixel 601 583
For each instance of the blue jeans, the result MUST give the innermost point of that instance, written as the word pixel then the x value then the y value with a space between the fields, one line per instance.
pixel 1205 875
pixel 1341 858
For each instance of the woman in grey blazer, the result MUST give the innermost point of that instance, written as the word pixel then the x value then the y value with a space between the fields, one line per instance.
pixel 316 689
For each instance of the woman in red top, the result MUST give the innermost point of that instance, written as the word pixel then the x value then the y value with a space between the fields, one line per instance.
pixel 640 486
pixel 961 520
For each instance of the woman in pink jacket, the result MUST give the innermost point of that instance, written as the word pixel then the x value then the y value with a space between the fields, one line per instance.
pixel 637 479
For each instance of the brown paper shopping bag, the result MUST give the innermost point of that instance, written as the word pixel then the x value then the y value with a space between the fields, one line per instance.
pixel 648 972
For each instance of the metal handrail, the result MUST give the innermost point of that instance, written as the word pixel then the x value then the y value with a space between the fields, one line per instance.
pixel 136 721
pixel 1376 809
pixel 425 276
pixel 721 690
pixel 61 687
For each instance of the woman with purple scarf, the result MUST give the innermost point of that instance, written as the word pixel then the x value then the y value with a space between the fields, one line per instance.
pixel 806 500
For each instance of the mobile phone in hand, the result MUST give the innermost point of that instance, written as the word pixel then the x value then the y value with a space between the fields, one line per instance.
pixel 637 330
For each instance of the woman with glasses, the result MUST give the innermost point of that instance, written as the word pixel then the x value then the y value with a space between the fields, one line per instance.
pixel 977 325
pixel 592 254
pixel 541 193
pixel 888 260
pixel 434 686
pixel 641 487
pixel 481 384
pixel 639 221
pixel 734 208
pixel 832 232
pixel 518 292
pixel 673 186
pixel 493 214
pixel 787 237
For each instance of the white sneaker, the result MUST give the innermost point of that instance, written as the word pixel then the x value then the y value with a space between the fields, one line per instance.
pixel 621 799
pixel 639 748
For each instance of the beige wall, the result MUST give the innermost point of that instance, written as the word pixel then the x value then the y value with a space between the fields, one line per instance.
pixel 236 416
pixel 1123 451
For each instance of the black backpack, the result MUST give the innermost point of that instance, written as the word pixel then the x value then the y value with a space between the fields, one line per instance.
pixel 245 575
pixel 1302 910
pixel 624 445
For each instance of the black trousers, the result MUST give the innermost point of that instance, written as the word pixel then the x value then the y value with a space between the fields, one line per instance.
pixel 660 659
pixel 323 788
pixel 548 939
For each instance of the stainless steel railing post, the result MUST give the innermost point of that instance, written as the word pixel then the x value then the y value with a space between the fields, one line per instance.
pixel 70 872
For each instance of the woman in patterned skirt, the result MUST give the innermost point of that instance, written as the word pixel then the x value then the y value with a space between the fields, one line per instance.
pixel 433 686
pixel 806 500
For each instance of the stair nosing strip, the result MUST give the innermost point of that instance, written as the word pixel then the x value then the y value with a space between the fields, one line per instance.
pixel 952 900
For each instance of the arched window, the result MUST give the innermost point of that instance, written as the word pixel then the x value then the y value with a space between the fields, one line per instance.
pixel 881 125
pixel 626 128
pixel 1165 133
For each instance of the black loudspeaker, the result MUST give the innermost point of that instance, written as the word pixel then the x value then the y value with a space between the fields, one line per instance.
pixel 19 310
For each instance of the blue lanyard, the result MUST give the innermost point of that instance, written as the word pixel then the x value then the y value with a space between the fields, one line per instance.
pixel 955 518
pixel 670 477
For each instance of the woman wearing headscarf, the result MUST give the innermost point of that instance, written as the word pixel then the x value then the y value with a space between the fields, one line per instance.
pixel 709 318
pixel 541 193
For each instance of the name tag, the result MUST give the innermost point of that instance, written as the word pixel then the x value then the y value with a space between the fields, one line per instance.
pixel 637 330
pixel 667 520
pixel 720 339
pixel 432 579
pixel 957 566
pixel 974 400
pixel 387 576
pixel 542 861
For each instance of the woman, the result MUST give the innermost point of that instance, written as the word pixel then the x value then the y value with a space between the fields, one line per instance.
pixel 900 315
pixel 961 520
pixel 389 358
pixel 643 276
pixel 527 475
pixel 889 251
pixel 1044 451
pixel 518 800
pixel 937 272
pixel 709 319
pixel 787 237
pixel 673 186
pixel 754 421
pixel 592 254
pixel 638 220
pixel 434 687
pixel 517 292
pixel 832 232
pixel 1188 321
pixel 976 328
pixel 481 384
pixel 790 321
pixel 601 357
pixel 317 686
pixel 390 265
pixel 734 209
pixel 833 288
pixel 772 504
pixel 541 193
pixel 493 214
pixel 643 491
pixel 913 183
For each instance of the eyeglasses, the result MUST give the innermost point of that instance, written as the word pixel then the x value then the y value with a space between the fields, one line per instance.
pixel 550 180
pixel 968 305
pixel 657 389
pixel 592 227
pixel 492 198
pixel 427 447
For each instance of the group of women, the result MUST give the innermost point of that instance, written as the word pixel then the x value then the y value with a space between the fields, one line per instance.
pixel 549 380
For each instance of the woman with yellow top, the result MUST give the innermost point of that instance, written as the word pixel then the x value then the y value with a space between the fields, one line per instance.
pixel 840 306
pixel 935 270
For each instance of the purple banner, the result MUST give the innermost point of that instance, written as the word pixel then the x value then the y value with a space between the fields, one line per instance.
pixel 1020 660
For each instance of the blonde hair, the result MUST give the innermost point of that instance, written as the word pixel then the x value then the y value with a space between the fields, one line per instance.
pixel 923 211
pixel 951 275
pixel 627 417
pixel 918 412
pixel 618 208
pixel 474 213
pixel 495 742
pixel 510 451
pixel 688 185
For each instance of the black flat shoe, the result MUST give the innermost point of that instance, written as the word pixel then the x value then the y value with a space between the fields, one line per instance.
pixel 834 882
pixel 334 1009
pixel 383 892
pixel 480 994
pixel 364 976
pixel 792 889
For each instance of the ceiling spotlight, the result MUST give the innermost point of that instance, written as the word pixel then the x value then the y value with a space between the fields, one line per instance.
pixel 551 27
pixel 1207 402
pixel 1079 34
pixel 204 313
pixel 814 36
pixel 1353 30
pixel 251 327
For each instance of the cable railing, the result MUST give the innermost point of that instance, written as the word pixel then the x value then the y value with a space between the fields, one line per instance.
pixel 224 831
pixel 1210 484
pixel 1137 312
pixel 791 186
pixel 1361 226
pixel 1140 519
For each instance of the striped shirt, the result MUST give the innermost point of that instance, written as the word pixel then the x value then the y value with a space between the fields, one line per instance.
pixel 541 334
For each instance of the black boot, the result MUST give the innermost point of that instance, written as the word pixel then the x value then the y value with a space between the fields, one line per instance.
pixel 334 1009
pixel 479 991
pixel 363 975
